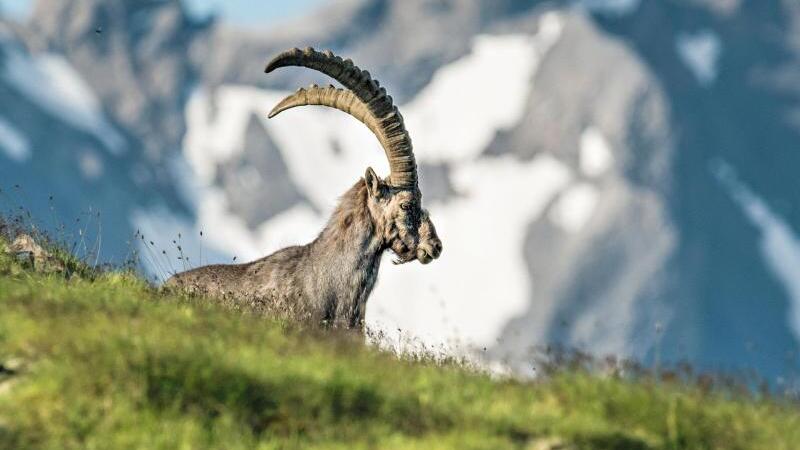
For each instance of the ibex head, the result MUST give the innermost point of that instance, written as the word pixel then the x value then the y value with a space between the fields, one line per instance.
pixel 396 201
pixel 407 228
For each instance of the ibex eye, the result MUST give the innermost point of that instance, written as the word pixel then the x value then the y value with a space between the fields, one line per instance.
pixel 405 206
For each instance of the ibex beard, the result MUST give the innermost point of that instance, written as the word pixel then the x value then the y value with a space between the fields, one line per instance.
pixel 330 279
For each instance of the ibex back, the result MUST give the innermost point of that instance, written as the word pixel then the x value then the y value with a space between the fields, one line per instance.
pixel 330 279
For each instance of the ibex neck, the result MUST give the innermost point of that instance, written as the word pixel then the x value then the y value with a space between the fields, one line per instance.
pixel 351 219
pixel 347 256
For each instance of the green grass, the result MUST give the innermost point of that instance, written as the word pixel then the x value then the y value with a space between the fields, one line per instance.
pixel 110 363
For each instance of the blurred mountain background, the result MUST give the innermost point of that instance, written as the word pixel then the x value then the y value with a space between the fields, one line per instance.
pixel 617 176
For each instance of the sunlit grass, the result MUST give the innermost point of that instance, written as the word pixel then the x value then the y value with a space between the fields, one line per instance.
pixel 107 361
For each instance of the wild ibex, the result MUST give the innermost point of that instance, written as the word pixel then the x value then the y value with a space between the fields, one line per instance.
pixel 331 278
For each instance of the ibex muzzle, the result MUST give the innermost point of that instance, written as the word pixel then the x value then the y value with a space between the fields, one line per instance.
pixel 331 278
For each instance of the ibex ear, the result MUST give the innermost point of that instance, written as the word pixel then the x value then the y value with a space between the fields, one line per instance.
pixel 375 185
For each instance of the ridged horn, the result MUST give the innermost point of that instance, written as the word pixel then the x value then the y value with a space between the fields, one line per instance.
pixel 387 122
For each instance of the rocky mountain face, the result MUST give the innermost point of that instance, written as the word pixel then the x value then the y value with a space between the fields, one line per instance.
pixel 613 175
pixel 93 96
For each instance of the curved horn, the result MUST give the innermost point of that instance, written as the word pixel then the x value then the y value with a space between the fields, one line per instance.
pixel 387 121
pixel 341 99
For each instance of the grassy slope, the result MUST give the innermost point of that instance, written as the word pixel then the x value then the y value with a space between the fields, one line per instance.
pixel 113 364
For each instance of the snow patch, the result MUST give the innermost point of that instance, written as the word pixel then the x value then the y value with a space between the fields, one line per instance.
pixel 209 139
pixel 13 143
pixel 56 87
pixel 596 156
pixel 458 113
pixel 700 52
pixel 780 247
pixel 308 139
pixel 229 233
pixel 575 207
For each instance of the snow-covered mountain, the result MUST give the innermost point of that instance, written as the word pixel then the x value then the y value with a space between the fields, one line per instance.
pixel 613 175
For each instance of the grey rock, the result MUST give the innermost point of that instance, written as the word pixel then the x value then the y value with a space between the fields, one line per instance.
pixel 257 181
